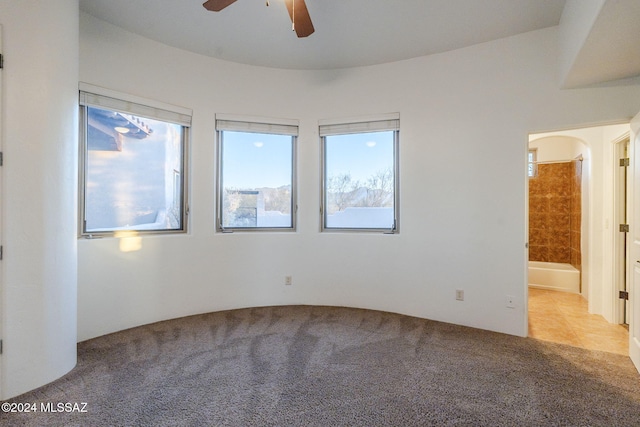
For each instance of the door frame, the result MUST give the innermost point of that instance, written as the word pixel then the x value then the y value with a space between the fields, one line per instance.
pixel 621 215
pixel 2 364
pixel 634 252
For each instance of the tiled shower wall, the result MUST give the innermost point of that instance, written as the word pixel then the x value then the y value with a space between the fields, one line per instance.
pixel 555 213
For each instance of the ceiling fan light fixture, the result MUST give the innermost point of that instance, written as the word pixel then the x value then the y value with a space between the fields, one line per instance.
pixel 298 13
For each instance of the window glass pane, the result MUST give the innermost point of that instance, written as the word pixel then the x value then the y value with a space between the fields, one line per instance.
pixel 360 180
pixel 532 169
pixel 133 173
pixel 257 180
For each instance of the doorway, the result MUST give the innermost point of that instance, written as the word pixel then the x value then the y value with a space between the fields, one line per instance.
pixel 591 316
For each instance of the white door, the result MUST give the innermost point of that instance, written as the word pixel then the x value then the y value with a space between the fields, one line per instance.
pixel 634 288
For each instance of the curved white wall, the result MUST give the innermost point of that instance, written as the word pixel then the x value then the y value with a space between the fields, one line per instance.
pixel 39 141
pixel 465 118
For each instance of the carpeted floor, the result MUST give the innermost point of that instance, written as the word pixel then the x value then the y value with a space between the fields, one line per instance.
pixel 327 366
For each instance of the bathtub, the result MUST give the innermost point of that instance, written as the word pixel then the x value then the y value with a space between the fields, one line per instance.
pixel 555 276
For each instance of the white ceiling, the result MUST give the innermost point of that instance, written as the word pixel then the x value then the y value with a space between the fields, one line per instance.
pixel 348 33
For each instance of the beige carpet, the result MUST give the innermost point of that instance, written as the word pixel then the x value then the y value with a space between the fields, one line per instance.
pixel 326 366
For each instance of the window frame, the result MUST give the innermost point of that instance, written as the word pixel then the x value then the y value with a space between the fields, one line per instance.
pixel 388 122
pixel 260 125
pixel 97 97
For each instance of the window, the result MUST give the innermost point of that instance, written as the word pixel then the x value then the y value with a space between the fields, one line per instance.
pixel 360 175
pixel 532 166
pixel 132 165
pixel 256 175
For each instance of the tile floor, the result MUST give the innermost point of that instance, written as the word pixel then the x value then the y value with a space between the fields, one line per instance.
pixel 563 317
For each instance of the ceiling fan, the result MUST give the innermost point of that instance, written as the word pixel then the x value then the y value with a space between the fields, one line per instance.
pixel 300 19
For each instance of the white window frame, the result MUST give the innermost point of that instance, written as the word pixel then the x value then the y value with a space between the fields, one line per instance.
pixel 98 97
pixel 252 124
pixel 387 122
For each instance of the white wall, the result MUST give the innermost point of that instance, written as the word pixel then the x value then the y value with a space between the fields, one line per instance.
pixel 39 181
pixel 465 118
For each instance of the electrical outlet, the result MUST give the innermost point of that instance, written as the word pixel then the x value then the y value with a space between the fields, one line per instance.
pixel 288 280
pixel 459 294
pixel 511 301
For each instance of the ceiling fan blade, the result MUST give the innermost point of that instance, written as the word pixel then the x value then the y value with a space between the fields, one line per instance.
pixel 302 23
pixel 217 5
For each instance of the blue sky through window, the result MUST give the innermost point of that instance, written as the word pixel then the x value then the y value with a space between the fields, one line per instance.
pixel 360 155
pixel 256 160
